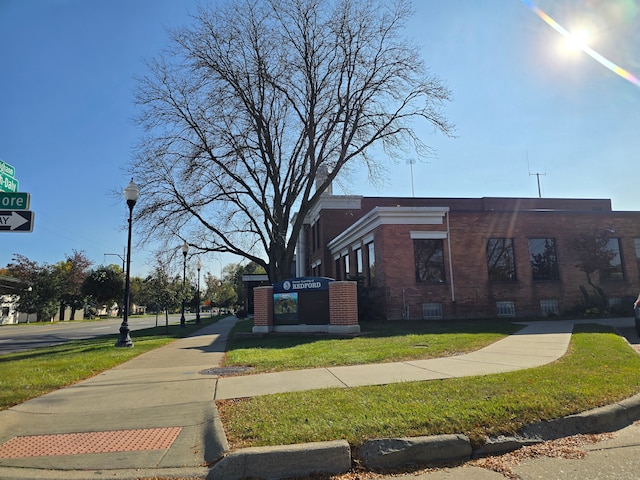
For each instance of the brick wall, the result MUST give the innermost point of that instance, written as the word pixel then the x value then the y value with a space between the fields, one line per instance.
pixel 343 303
pixel 263 309
pixel 471 223
pixel 475 295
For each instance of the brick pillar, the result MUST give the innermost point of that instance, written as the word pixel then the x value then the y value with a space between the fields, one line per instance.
pixel 343 307
pixel 262 309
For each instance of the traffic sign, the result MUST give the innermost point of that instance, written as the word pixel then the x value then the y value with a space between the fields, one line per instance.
pixel 20 221
pixel 15 200
pixel 7 169
pixel 8 183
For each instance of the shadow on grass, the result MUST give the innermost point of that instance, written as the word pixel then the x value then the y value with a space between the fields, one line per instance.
pixel 239 338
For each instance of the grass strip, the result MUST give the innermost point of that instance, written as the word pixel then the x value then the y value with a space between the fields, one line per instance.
pixel 599 368
pixel 31 373
pixel 380 342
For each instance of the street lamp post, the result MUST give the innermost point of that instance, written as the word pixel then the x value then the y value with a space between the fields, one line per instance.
pixel 131 195
pixel 199 267
pixel 185 250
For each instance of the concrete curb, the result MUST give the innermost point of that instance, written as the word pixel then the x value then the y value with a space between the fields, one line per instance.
pixel 273 463
pixel 379 454
pixel 397 452
pixel 598 420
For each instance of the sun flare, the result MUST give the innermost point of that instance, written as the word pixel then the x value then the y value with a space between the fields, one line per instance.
pixel 578 40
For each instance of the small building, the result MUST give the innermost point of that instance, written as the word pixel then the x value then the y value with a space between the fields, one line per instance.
pixel 434 258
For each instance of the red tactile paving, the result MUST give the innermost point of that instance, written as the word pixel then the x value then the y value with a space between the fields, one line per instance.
pixel 91 442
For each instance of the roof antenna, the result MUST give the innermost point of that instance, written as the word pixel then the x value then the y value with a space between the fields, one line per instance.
pixel 536 174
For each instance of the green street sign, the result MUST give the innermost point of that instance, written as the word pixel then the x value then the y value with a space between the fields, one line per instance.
pixel 14 201
pixel 7 169
pixel 8 183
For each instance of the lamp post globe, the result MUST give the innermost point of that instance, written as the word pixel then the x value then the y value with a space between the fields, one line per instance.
pixel 185 250
pixel 131 195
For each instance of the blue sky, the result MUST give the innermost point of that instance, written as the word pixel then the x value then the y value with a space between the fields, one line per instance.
pixel 523 103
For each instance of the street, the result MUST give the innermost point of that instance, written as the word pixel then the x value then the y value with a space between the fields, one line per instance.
pixel 15 338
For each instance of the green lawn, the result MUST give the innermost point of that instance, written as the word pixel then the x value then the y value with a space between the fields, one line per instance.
pixel 599 368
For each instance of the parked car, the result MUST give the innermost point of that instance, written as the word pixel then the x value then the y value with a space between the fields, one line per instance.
pixel 636 313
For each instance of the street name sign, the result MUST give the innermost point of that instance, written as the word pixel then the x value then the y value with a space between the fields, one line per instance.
pixel 8 183
pixel 7 169
pixel 14 200
pixel 16 221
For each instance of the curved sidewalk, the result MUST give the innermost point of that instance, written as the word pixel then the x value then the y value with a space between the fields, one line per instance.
pixel 538 343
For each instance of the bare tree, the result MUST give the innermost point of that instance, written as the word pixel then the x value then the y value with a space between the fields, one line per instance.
pixel 256 100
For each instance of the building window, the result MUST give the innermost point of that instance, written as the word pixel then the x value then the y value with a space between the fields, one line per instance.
pixel 501 260
pixel 615 271
pixel 506 309
pixel 5 311
pixel 345 266
pixel 614 301
pixel 549 307
pixel 636 241
pixel 317 236
pixel 544 262
pixel 359 262
pixel 313 237
pixel 338 267
pixel 432 311
pixel 429 260
pixel 371 258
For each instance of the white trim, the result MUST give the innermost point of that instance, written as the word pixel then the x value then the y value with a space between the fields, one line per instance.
pixel 368 239
pixel 387 216
pixel 453 290
pixel 333 202
pixel 419 235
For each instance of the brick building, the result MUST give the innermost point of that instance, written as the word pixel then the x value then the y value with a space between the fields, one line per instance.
pixel 468 257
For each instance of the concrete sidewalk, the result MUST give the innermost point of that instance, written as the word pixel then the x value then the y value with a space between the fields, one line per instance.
pixel 154 416
pixel 536 344
pixel 154 413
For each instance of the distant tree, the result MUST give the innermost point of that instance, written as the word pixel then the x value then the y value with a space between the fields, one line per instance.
pixel 105 285
pixel 234 273
pixel 220 292
pixel 161 292
pixel 71 274
pixel 40 297
pixel 136 296
pixel 259 106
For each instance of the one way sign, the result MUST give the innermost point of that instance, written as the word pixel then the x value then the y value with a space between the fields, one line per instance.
pixel 16 221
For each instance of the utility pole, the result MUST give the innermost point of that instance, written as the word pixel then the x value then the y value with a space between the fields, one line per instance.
pixel 538 176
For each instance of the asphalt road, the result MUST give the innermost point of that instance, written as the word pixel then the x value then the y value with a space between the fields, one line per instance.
pixel 15 338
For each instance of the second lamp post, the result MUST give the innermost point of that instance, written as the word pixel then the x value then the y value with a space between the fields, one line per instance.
pixel 185 250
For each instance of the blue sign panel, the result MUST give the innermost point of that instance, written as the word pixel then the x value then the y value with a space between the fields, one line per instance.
pixel 302 284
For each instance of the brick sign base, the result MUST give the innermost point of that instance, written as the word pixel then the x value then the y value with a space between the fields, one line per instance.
pixel 343 311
